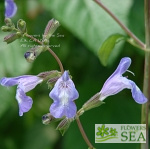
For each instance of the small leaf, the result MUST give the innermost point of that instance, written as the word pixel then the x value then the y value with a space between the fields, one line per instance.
pixel 12 61
pixel 107 47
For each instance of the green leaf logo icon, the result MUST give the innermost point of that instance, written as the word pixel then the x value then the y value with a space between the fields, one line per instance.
pixel 105 133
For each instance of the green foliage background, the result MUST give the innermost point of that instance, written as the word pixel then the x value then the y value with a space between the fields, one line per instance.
pixel 84 27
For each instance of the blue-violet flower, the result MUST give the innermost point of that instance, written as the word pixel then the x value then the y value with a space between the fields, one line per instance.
pixel 10 8
pixel 116 83
pixel 64 93
pixel 25 84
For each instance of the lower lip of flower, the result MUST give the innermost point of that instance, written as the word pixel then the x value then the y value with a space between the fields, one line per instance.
pixel 64 98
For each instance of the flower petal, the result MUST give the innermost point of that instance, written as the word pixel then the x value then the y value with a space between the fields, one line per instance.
pixel 63 94
pixel 122 67
pixel 24 102
pixel 137 95
pixel 29 82
pixel 64 84
pixel 26 82
pixel 59 111
pixel 10 8
pixel 10 81
pixel 114 86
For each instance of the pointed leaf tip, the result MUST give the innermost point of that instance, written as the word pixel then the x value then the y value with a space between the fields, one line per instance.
pixel 108 45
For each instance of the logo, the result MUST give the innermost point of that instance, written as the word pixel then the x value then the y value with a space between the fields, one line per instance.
pixel 120 133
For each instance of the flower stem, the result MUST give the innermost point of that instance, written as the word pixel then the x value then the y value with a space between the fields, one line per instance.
pixel 84 134
pixel 57 59
pixel 50 50
pixel 146 85
pixel 34 39
pixel 139 42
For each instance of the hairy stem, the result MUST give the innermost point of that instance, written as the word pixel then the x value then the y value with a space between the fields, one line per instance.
pixel 51 51
pixel 139 42
pixel 146 85
pixel 84 134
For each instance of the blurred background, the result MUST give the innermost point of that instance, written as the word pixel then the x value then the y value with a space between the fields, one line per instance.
pixel 84 27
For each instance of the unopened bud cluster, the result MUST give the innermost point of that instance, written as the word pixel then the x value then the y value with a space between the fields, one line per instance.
pixel 17 32
pixel 21 31
pixel 9 26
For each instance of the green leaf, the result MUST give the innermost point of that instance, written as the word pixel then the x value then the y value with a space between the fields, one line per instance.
pixel 108 45
pixel 87 21
pixel 12 59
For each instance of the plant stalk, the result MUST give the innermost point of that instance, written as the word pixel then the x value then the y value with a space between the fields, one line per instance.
pixel 146 85
pixel 84 134
pixel 138 41
pixel 57 59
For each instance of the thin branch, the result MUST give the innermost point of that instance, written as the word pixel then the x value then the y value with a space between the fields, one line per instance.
pixel 57 59
pixel 146 85
pixel 34 39
pixel 139 42
pixel 84 134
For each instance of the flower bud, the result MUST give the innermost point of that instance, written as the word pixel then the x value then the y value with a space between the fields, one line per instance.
pixel 21 25
pixel 12 37
pixel 6 29
pixel 50 28
pixel 9 22
pixel 47 119
pixel 33 53
pixel 64 125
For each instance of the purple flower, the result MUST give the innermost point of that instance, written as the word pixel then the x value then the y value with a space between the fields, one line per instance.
pixel 63 94
pixel 25 84
pixel 10 8
pixel 116 83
